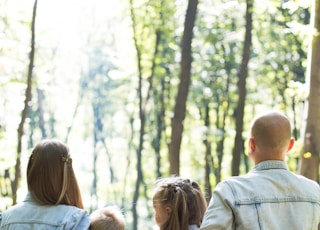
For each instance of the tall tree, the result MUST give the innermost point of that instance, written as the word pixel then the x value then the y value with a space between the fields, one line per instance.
pixel 165 66
pixel 25 110
pixel 238 143
pixel 144 95
pixel 185 76
pixel 309 164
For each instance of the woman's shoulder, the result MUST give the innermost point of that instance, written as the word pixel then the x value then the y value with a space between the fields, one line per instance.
pixel 54 215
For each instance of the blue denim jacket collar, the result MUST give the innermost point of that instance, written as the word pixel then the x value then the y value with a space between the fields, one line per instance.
pixel 28 198
pixel 270 164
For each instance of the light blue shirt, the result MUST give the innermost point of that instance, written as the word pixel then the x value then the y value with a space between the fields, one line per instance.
pixel 32 216
pixel 269 197
pixel 193 227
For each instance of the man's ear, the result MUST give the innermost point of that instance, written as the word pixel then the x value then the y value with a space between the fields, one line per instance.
pixel 252 144
pixel 168 210
pixel 291 144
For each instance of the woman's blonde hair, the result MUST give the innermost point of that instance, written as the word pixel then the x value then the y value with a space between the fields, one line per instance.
pixel 50 176
pixel 185 199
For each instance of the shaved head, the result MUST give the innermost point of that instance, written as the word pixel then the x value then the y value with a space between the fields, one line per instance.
pixel 271 132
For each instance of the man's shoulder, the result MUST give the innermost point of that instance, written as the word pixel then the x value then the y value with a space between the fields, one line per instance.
pixel 237 182
pixel 286 183
pixel 307 180
pixel 251 176
pixel 309 184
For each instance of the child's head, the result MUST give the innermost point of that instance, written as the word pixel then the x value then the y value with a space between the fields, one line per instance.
pixel 108 218
pixel 178 203
pixel 50 176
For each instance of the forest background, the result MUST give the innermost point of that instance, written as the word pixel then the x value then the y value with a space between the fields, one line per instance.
pixel 141 90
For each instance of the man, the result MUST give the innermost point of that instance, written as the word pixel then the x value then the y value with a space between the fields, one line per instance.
pixel 269 197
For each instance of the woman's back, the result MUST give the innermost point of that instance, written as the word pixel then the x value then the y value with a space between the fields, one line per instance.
pixel 30 215
pixel 54 199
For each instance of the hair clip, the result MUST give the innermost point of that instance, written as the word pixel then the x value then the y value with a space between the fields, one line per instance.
pixel 173 188
pixel 67 160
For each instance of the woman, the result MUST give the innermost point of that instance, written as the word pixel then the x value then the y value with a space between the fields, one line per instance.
pixel 54 199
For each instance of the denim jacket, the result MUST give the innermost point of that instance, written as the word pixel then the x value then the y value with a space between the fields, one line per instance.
pixel 269 197
pixel 30 215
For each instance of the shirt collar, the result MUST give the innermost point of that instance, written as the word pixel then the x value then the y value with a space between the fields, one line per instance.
pixel 270 164
pixel 28 198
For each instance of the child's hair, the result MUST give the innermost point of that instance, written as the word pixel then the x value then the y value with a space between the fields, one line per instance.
pixel 185 199
pixel 50 176
pixel 108 218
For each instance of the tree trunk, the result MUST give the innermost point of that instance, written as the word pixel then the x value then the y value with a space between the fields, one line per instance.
pixel 25 110
pixel 185 75
pixel 160 114
pixel 225 101
pixel 141 115
pixel 41 114
pixel 238 144
pixel 93 191
pixel 208 156
pixel 143 101
pixel 309 162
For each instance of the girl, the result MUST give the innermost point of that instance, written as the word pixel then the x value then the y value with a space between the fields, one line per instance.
pixel 53 200
pixel 178 204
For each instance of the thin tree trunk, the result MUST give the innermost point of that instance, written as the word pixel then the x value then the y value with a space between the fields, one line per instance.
pixel 142 110
pixel 160 114
pixel 238 145
pixel 93 192
pixel 159 107
pixel 185 75
pixel 141 115
pixel 41 115
pixel 309 162
pixel 208 156
pixel 128 160
pixel 225 109
pixel 75 111
pixel 25 110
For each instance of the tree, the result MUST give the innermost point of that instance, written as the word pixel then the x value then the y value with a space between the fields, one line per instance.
pixel 185 75
pixel 243 73
pixel 309 162
pixel 143 99
pixel 25 109
pixel 164 71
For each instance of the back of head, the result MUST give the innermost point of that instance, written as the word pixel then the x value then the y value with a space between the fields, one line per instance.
pixel 50 175
pixel 271 132
pixel 108 218
pixel 185 199
pixel 197 204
